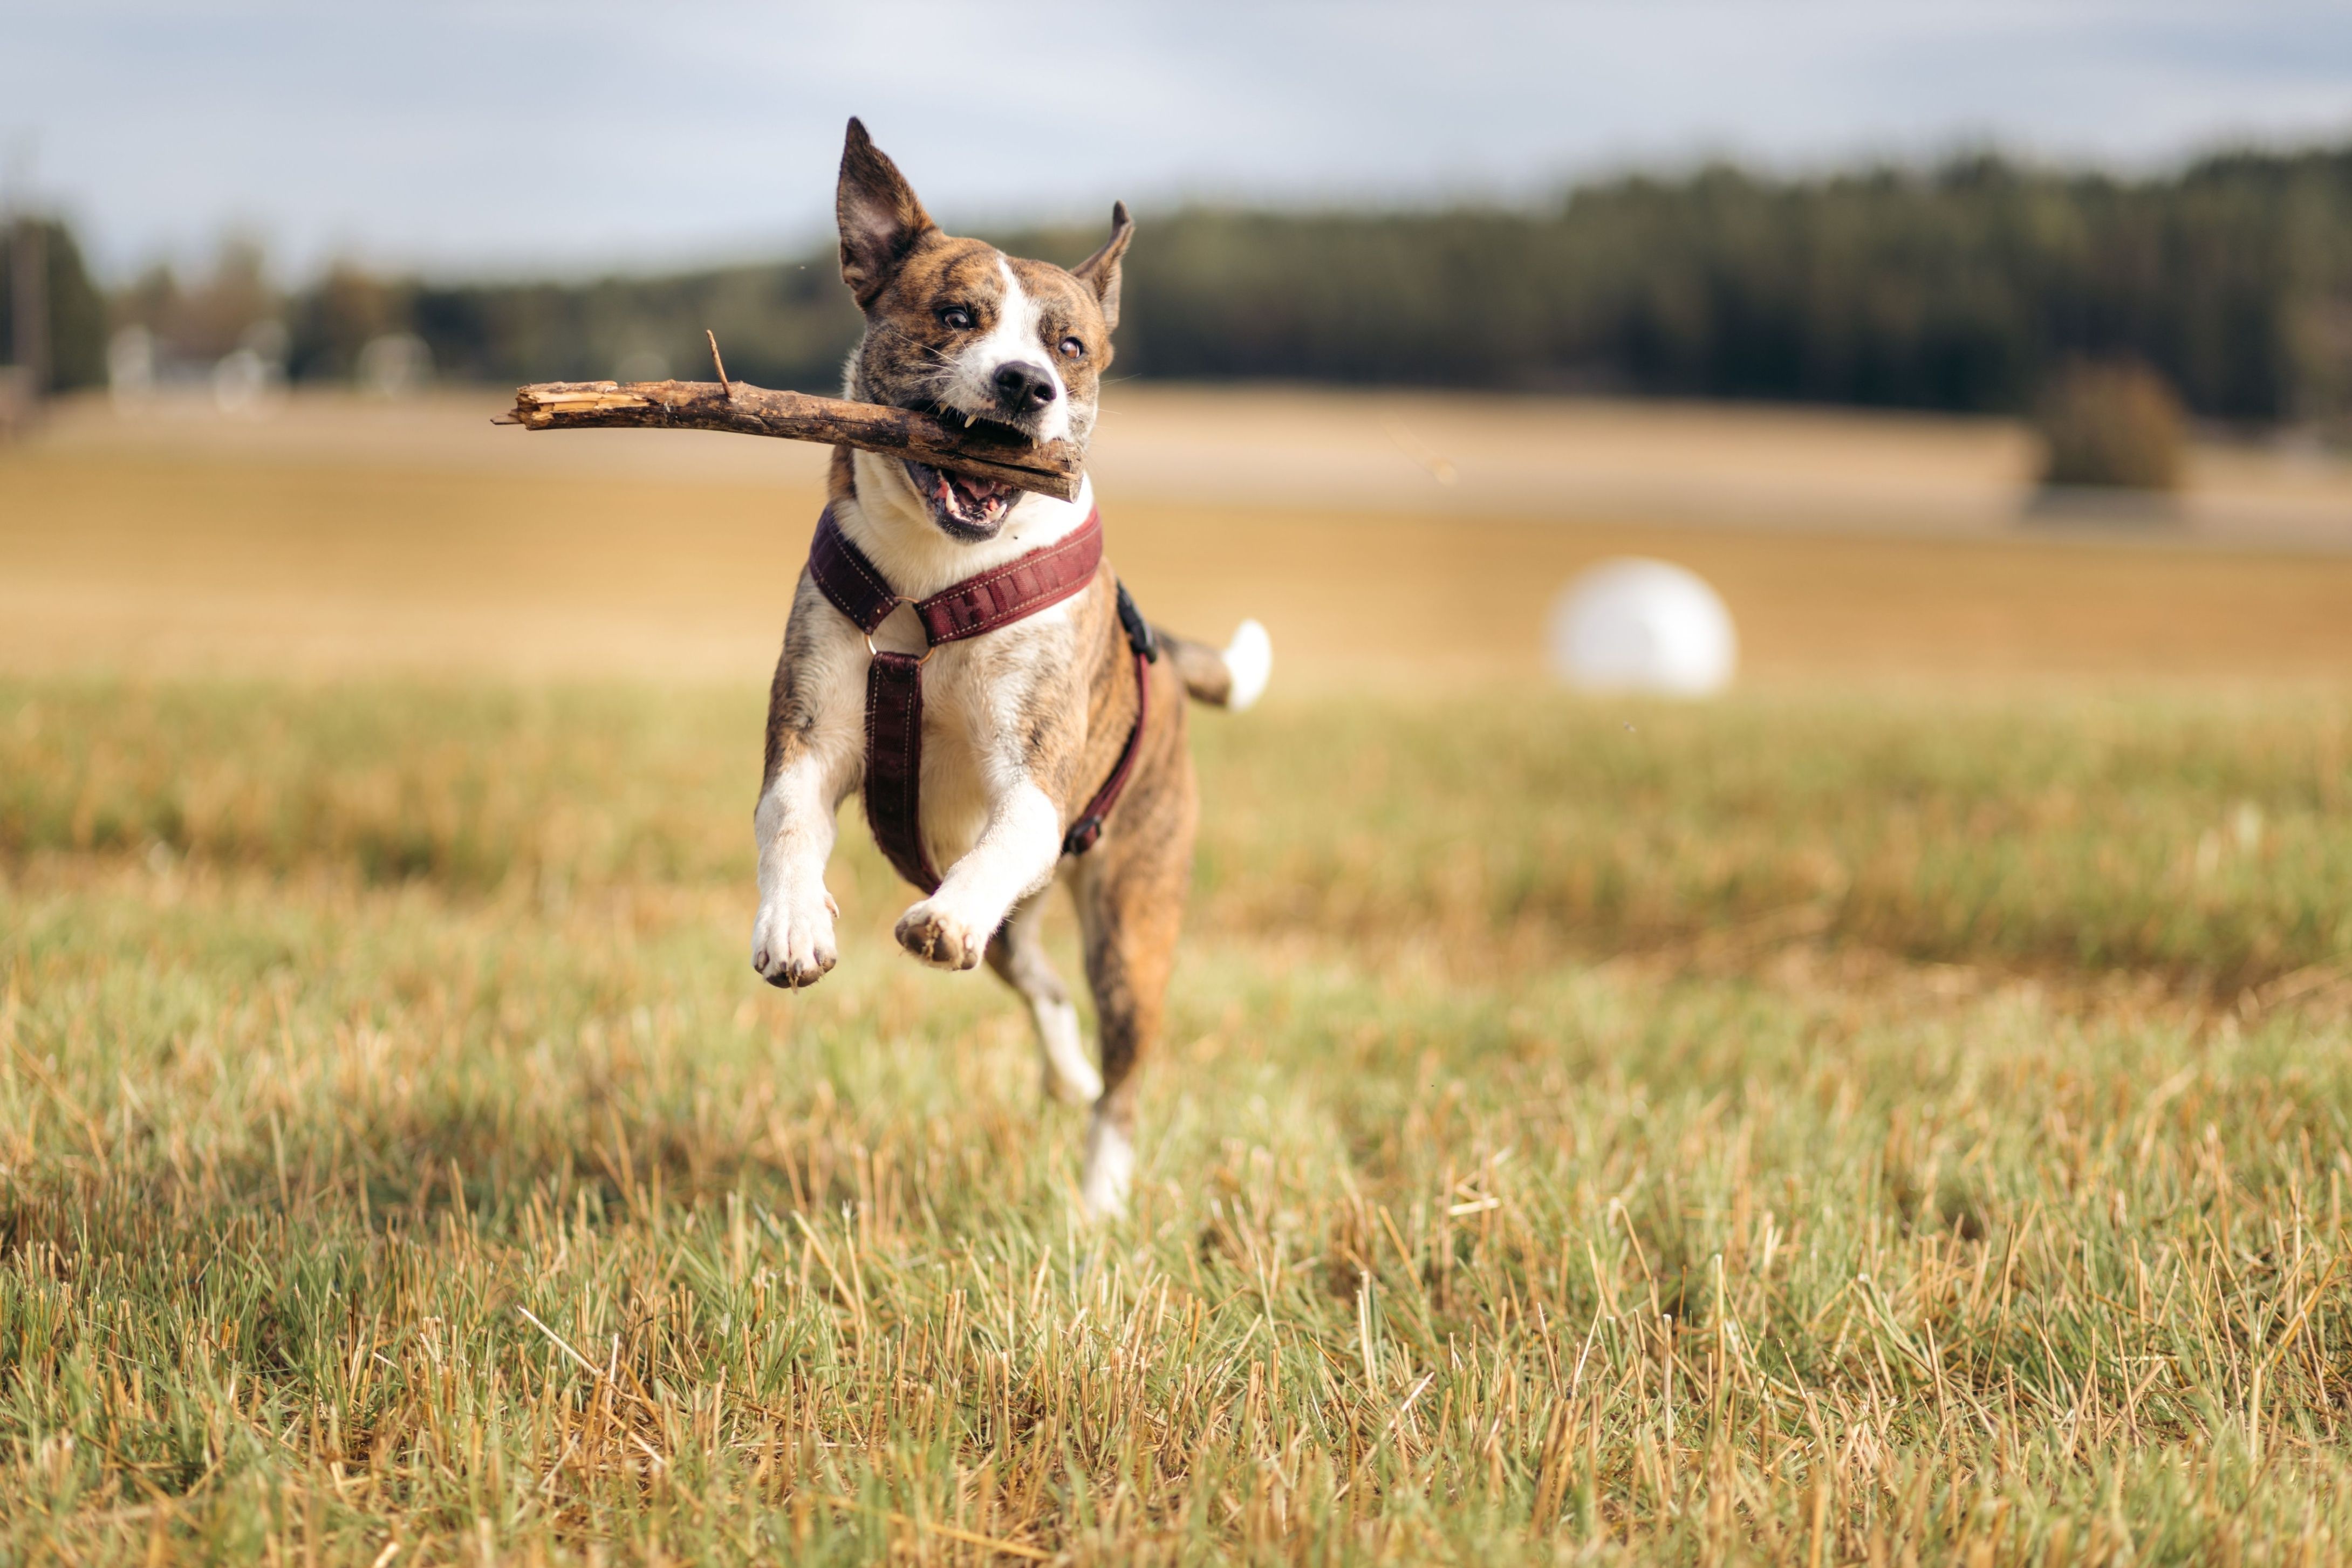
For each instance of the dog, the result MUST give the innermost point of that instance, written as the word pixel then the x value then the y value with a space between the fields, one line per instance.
pixel 1014 731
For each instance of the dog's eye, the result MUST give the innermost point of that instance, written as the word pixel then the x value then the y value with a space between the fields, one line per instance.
pixel 1073 348
pixel 957 317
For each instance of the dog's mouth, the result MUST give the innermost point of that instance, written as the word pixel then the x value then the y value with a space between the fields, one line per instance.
pixel 964 507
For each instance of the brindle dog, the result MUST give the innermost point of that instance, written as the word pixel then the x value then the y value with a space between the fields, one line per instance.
pixel 1021 726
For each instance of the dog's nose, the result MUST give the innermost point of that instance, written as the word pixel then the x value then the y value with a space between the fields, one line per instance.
pixel 1022 388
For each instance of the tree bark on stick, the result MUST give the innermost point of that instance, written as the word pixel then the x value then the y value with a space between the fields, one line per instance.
pixel 1051 469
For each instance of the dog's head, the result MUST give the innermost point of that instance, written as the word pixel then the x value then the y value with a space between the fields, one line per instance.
pixel 955 327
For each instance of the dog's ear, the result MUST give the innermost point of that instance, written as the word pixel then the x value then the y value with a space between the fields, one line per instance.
pixel 1101 270
pixel 880 218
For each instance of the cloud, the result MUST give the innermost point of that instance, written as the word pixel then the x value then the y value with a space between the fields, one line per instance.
pixel 520 134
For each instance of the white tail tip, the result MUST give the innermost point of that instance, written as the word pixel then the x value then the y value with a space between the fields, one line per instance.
pixel 1249 662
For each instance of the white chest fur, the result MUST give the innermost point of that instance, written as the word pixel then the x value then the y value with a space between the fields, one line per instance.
pixel 975 692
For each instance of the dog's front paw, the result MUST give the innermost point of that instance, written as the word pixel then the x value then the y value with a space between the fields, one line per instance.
pixel 792 939
pixel 939 936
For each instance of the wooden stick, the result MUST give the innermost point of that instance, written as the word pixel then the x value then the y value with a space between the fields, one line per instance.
pixel 1050 469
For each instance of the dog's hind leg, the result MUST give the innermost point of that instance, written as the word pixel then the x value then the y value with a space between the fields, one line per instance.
pixel 1130 897
pixel 1018 956
pixel 1130 939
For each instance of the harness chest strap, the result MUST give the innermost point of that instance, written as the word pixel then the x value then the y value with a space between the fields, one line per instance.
pixel 893 682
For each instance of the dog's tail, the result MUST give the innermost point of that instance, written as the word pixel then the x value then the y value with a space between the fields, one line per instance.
pixel 1233 678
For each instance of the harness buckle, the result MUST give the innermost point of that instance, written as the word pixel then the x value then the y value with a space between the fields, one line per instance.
pixel 1139 635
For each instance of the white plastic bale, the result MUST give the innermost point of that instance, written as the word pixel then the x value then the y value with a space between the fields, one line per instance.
pixel 1636 625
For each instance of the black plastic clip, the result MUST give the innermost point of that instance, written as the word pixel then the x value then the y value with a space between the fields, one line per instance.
pixel 1140 635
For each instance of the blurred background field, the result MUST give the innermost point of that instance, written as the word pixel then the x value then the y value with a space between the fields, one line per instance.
pixel 348 535
pixel 1894 1111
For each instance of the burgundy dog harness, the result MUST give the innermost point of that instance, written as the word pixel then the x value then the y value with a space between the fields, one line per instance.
pixel 893 682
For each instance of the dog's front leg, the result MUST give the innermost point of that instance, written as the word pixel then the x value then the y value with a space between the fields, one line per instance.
pixel 792 936
pixel 1015 857
pixel 813 758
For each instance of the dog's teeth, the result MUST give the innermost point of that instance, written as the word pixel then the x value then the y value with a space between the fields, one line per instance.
pixel 967 421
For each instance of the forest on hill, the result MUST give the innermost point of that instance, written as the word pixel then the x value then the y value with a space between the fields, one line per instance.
pixel 1962 286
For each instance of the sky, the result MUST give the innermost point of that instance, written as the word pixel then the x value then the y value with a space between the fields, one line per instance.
pixel 505 137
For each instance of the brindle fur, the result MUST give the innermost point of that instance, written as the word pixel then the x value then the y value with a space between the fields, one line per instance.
pixel 1028 720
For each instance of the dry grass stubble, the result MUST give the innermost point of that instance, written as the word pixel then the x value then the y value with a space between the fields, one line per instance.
pixel 377 1173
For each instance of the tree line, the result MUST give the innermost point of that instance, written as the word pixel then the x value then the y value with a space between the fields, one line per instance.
pixel 1963 287
pixel 77 310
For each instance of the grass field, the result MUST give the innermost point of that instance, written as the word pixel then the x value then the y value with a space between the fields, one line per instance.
pixel 1896 1113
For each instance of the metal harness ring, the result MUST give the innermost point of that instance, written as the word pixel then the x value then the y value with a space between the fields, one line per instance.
pixel 929 647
